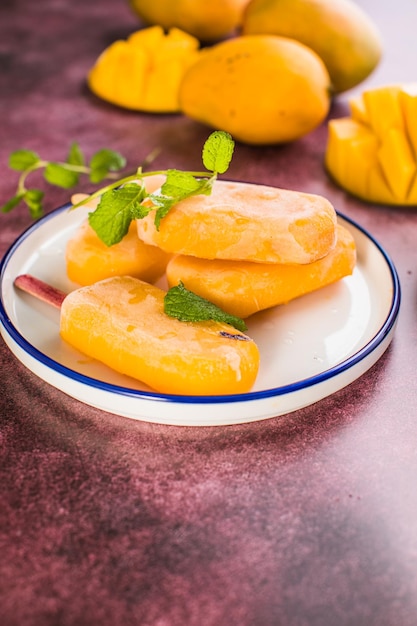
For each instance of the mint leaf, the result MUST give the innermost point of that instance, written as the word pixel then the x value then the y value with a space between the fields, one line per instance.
pixel 218 151
pixel 187 306
pixel 180 184
pixel 163 205
pixel 33 199
pixel 117 208
pixel 103 162
pixel 75 155
pixel 60 176
pixel 126 196
pixel 22 160
pixel 12 203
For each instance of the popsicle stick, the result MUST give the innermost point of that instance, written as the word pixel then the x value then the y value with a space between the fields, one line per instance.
pixel 40 290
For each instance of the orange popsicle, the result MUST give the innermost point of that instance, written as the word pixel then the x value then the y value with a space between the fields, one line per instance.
pixel 243 221
pixel 243 288
pixel 89 260
pixel 120 321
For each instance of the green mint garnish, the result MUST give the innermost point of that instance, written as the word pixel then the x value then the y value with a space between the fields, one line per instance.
pixel 218 152
pixel 186 306
pixel 65 174
pixel 123 200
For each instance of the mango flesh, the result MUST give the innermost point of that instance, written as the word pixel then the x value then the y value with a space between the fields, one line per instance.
pixel 120 322
pixel 339 31
pixel 243 288
pixel 207 21
pixel 144 72
pixel 243 221
pixel 373 153
pixel 261 89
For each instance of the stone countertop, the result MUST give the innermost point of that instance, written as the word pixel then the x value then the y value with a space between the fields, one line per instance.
pixel 305 519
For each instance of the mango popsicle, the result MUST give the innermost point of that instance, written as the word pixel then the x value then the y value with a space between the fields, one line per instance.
pixel 89 260
pixel 120 321
pixel 243 288
pixel 246 222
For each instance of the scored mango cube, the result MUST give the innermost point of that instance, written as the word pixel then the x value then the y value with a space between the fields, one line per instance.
pixel 383 109
pixel 144 72
pixel 358 110
pixel 373 153
pixel 408 100
pixel 351 153
pixel 397 162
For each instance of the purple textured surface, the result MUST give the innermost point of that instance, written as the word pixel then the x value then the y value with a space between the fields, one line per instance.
pixel 304 520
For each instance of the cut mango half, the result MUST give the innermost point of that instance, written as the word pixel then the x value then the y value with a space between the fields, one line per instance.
pixel 373 153
pixel 144 72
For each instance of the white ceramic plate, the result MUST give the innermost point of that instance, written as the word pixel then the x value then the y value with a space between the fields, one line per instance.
pixel 310 348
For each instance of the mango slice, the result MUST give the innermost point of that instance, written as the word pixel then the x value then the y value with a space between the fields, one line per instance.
pixel 244 221
pixel 144 72
pixel 120 321
pixel 373 153
pixel 243 288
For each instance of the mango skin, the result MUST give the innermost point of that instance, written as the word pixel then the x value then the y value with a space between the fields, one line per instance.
pixel 261 89
pixel 339 31
pixel 208 21
pixel 120 321
pixel 243 288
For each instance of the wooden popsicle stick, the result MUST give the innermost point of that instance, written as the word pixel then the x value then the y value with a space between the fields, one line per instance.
pixel 40 290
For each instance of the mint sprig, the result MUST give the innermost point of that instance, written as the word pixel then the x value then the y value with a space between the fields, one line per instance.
pixel 65 174
pixel 137 204
pixel 187 306
pixel 126 198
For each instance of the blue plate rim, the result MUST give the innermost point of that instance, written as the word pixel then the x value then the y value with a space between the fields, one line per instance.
pixel 305 383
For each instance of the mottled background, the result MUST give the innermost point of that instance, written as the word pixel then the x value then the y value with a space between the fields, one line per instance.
pixel 307 519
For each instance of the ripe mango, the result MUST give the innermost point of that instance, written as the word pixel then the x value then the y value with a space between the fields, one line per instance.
pixel 339 31
pixel 262 89
pixel 208 21
pixel 373 153
pixel 143 73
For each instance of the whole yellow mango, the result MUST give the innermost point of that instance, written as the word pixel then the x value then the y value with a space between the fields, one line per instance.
pixel 339 31
pixel 373 153
pixel 261 89
pixel 208 21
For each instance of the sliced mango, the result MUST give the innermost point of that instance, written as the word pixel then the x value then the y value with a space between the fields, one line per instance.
pixel 397 162
pixel 383 109
pixel 144 72
pixel 352 149
pixel 358 110
pixel 372 154
pixel 408 100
